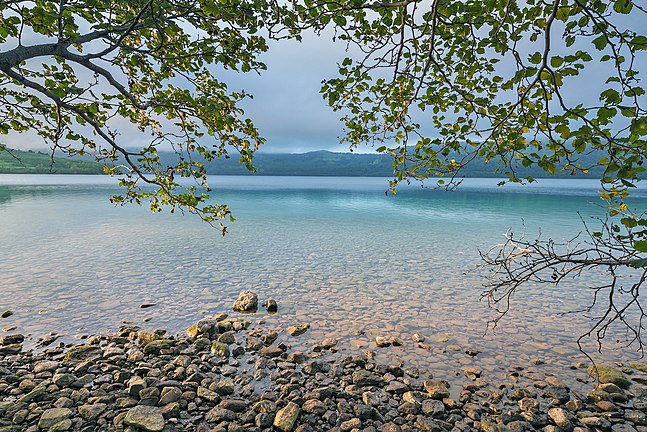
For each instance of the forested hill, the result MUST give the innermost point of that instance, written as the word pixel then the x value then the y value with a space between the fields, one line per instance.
pixel 318 163
pixel 30 162
pixel 325 163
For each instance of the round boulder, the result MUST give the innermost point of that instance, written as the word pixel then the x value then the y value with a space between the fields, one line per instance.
pixel 247 301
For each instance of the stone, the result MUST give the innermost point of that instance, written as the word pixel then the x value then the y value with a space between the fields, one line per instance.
pixel 396 341
pixel 271 305
pixel 267 406
pixel 235 405
pixel 436 389
pixel 271 351
pixel 642 367
pixel 220 349
pixel 559 416
pixel 247 301
pixel 314 406
pixel 63 425
pixel 286 417
pixel 423 424
pixel 169 395
pixel 91 412
pixel 40 390
pixel 608 374
pixel 223 387
pixel 218 414
pixel 364 378
pixel 145 417
pixel 351 424
pixel 81 353
pixel 382 342
pixel 155 347
pixel 299 329
pixel 11 339
pixel 396 387
pixel 328 343
pixel 52 416
pixel 135 385
pixel 10 349
pixel 433 407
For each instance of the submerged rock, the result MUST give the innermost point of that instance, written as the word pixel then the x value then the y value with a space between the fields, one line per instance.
pixel 298 329
pixel 271 305
pixel 247 301
pixel 11 339
pixel 382 342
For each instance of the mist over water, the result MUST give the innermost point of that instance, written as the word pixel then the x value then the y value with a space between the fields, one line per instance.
pixel 336 253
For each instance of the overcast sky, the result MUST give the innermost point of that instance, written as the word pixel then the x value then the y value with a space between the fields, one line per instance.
pixel 287 106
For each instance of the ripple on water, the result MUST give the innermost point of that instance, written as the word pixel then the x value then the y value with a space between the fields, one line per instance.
pixel 343 263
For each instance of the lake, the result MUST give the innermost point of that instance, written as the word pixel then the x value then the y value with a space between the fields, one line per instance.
pixel 336 253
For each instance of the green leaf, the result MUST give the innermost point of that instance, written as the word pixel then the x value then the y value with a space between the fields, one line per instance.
pixel 639 43
pixel 623 6
pixel 535 58
pixel 600 42
pixel 563 13
pixel 640 245
pixel 638 263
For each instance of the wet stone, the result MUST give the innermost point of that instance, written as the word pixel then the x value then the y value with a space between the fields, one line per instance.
pixel 364 378
pixel 247 301
pixel 145 417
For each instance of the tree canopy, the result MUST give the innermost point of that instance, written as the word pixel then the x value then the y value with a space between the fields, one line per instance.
pixel 77 71
pixel 436 84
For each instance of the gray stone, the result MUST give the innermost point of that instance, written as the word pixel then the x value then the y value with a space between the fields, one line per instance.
pixel 52 416
pixel 91 412
pixel 218 414
pixel 364 378
pixel 145 417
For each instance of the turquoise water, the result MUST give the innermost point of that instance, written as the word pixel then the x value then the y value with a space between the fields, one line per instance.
pixel 334 252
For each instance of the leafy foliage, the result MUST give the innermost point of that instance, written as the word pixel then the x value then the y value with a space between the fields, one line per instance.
pixel 78 73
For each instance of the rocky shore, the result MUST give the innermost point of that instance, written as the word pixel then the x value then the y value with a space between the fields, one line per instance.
pixel 232 374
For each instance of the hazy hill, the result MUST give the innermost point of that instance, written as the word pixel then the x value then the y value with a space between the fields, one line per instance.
pixel 318 163
pixel 30 162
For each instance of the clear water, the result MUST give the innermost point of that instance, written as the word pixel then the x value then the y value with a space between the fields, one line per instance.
pixel 334 252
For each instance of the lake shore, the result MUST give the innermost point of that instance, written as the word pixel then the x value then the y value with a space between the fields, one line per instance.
pixel 234 374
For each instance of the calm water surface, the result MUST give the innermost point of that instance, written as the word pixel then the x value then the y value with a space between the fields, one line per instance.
pixel 334 252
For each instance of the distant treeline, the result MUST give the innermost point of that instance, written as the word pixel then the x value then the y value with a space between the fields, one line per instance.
pixel 325 163
pixel 318 163
pixel 30 162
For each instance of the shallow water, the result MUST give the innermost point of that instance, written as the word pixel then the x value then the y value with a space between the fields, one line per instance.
pixel 334 252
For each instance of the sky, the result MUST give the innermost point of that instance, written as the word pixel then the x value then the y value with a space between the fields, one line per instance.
pixel 287 106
